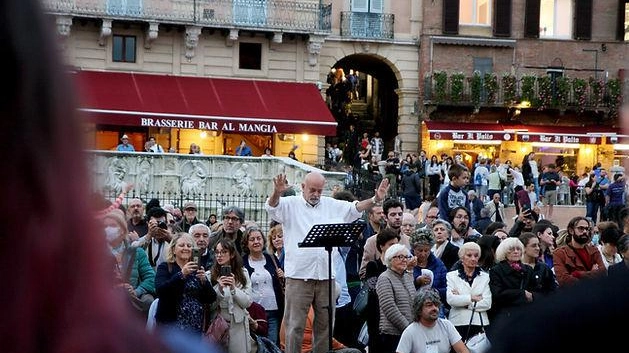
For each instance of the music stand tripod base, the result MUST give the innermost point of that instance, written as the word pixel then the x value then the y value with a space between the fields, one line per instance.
pixel 329 236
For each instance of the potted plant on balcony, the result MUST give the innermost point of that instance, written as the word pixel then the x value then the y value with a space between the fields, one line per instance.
pixel 597 88
pixel 545 92
pixel 476 86
pixel 579 93
pixel 528 89
pixel 613 88
pixel 456 87
pixel 441 83
pixel 509 88
pixel 490 84
pixel 563 92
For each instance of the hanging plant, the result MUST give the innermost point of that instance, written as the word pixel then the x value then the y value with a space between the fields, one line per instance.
pixel 509 88
pixel 440 83
pixel 456 87
pixel 545 92
pixel 579 93
pixel 490 84
pixel 476 86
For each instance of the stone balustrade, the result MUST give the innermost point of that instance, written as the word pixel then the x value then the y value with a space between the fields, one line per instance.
pixel 187 174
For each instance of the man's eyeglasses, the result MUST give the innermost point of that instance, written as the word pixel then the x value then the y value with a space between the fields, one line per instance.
pixel 461 217
pixel 230 218
pixel 402 257
pixel 583 228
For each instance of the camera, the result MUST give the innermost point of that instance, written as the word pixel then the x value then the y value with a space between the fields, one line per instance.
pixel 162 225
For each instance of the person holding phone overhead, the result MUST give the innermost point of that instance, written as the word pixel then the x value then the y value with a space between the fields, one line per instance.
pixel 233 288
pixel 182 288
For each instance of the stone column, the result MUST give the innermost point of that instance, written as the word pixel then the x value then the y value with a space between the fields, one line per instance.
pixel 408 120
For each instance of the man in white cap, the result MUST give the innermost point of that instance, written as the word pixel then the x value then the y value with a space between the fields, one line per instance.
pixel 125 146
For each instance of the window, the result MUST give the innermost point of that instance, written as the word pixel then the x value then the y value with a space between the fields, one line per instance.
pixel 477 12
pixel 123 49
pixel 555 19
pixel 250 56
pixel 622 32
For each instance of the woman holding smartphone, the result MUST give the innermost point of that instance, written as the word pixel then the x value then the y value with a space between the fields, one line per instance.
pixel 233 288
pixel 182 288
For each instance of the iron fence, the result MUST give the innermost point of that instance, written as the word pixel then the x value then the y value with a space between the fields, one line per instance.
pixel 207 204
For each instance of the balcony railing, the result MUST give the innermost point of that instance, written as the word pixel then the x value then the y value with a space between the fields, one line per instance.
pixel 273 15
pixel 367 25
pixel 542 92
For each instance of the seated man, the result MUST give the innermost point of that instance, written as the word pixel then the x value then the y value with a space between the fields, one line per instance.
pixel 306 345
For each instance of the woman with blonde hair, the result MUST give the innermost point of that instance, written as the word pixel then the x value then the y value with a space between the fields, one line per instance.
pixel 275 243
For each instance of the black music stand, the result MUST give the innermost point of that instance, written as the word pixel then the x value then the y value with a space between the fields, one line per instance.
pixel 329 236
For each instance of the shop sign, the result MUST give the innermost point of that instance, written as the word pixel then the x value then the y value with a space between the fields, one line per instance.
pixel 558 138
pixel 228 126
pixel 469 136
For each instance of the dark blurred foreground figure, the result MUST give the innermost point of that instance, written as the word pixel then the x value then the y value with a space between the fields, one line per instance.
pixel 59 297
pixel 580 306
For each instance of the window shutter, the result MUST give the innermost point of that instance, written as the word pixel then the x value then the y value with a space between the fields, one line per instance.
pixel 360 5
pixel 502 18
pixel 375 6
pixel 620 29
pixel 451 16
pixel 531 19
pixel 583 19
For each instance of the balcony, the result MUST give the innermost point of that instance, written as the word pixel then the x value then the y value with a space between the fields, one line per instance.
pixel 367 25
pixel 272 15
pixel 542 92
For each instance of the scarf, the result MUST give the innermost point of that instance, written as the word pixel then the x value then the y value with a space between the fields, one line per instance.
pixel 438 249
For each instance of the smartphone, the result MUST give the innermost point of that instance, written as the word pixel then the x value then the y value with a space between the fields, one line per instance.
pixel 226 270
pixel 196 255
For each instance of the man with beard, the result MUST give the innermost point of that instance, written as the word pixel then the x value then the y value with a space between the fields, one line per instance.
pixel 461 230
pixel 138 227
pixel 578 259
pixel 306 269
pixel 233 218
pixel 393 211
pixel 429 333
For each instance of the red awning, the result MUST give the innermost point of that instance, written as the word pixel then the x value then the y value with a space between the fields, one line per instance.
pixel 229 105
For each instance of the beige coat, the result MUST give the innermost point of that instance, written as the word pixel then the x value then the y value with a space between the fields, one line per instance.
pixel 234 309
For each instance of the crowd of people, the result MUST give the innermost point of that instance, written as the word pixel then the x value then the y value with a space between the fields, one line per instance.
pixel 429 268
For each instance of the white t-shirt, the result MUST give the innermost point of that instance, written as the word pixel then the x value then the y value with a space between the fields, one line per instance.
pixel 417 338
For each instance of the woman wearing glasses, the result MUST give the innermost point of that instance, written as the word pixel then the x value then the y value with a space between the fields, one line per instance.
pixel 395 291
pixel 511 282
pixel 233 289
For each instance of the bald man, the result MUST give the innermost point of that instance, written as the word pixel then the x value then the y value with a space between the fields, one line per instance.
pixel 306 269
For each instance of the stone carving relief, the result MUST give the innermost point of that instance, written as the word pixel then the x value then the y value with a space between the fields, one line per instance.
pixel 143 177
pixel 193 177
pixel 117 170
pixel 242 179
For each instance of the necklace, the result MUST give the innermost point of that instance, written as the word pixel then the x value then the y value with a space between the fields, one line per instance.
pixel 610 259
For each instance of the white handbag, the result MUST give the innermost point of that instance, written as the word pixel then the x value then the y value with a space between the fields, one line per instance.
pixel 478 343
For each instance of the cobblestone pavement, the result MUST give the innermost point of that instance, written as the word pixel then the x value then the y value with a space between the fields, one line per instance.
pixel 561 214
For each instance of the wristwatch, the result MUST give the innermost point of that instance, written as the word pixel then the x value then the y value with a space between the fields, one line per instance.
pixel 374 201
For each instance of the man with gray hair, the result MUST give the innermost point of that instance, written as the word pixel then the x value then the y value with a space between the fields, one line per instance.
pixel 429 333
pixel 233 218
pixel 201 234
